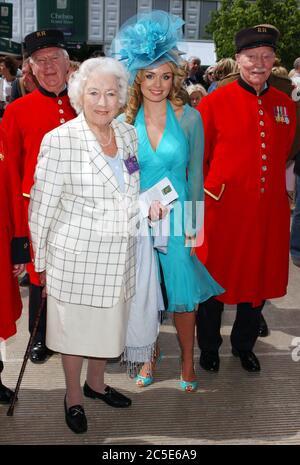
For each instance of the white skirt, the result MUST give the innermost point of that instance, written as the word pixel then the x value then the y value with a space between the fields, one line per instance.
pixel 87 331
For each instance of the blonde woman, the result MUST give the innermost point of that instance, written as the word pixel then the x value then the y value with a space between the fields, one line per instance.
pixel 170 143
pixel 196 93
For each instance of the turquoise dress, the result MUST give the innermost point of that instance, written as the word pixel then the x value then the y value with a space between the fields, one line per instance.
pixel 180 150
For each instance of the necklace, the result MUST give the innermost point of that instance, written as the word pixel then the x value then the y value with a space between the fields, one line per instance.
pixel 109 139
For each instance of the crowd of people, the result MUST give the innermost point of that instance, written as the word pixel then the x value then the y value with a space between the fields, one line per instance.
pixel 81 150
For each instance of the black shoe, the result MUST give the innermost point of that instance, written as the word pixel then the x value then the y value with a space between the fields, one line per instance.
pixel 296 261
pixel 75 418
pixel 5 394
pixel 263 330
pixel 248 360
pixel 40 353
pixel 111 396
pixel 209 360
pixel 24 281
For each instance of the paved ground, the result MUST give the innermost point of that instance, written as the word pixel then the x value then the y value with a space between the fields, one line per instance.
pixel 231 407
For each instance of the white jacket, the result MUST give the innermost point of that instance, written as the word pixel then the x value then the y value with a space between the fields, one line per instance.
pixel 82 225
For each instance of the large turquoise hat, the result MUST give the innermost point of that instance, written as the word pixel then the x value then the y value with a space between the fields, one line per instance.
pixel 148 40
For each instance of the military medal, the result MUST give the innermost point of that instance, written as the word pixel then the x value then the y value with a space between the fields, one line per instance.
pixel 276 113
pixel 286 118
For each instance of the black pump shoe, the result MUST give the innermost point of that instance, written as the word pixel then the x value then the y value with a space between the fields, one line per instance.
pixel 111 396
pixel 75 418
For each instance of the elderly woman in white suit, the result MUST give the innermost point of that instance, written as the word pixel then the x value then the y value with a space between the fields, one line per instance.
pixel 83 215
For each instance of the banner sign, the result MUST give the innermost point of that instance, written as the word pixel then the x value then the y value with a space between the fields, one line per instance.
pixel 69 16
pixel 6 14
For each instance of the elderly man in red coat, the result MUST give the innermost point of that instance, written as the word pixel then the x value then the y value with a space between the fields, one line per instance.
pixel 25 123
pixel 14 252
pixel 249 129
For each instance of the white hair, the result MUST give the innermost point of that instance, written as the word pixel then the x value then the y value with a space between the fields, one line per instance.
pixel 297 63
pixel 63 50
pixel 99 65
pixel 194 58
pixel 196 88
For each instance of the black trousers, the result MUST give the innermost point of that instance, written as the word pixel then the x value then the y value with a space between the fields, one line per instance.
pixel 244 331
pixel 35 300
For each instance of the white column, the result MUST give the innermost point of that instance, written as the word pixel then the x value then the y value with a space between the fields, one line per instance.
pixel 176 7
pixel 192 19
pixel 29 17
pixel 144 6
pixel 96 21
pixel 111 21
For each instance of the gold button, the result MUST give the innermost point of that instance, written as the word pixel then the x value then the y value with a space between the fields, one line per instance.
pixel 263 179
pixel 263 145
pixel 259 101
pixel 262 190
pixel 1 156
pixel 261 112
pixel 264 157
pixel 59 102
pixel 261 123
pixel 262 134
pixel 62 120
pixel 264 168
pixel 61 110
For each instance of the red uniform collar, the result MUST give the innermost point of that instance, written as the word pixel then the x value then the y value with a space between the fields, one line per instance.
pixel 52 94
pixel 250 89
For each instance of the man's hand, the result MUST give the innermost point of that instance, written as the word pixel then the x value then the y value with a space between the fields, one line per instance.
pixel 18 269
pixel 190 241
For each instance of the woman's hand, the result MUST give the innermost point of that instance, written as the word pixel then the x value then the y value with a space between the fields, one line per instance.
pixel 157 211
pixel 42 276
pixel 18 269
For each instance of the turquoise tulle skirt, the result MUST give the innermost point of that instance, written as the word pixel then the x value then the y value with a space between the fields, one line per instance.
pixel 186 279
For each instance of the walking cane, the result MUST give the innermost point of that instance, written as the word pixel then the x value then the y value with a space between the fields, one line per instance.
pixel 10 410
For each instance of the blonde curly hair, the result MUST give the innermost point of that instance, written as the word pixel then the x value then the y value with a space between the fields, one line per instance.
pixel 135 94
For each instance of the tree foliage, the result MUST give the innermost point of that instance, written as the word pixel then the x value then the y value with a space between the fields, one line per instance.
pixel 234 15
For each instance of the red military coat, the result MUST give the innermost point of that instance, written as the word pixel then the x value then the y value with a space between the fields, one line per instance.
pixel 25 122
pixel 14 246
pixel 247 216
